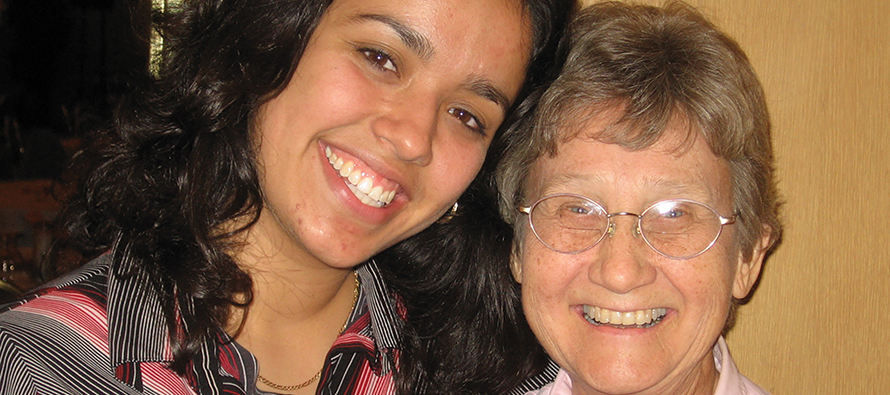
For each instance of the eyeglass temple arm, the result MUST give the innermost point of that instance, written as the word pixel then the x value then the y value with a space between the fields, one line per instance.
pixel 524 209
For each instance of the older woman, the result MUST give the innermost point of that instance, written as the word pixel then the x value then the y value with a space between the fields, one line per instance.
pixel 643 203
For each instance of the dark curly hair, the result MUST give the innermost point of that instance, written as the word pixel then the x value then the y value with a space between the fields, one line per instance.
pixel 177 163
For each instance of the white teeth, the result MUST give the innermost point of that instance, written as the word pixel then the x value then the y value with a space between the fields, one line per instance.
pixel 375 192
pixel 364 198
pixel 362 187
pixel 354 177
pixel 628 318
pixel 637 319
pixel 365 185
pixel 345 168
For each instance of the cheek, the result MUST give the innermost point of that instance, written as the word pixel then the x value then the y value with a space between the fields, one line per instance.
pixel 724 267
pixel 344 89
pixel 708 282
pixel 538 303
pixel 546 278
pixel 459 164
pixel 332 90
pixel 546 288
pixel 537 308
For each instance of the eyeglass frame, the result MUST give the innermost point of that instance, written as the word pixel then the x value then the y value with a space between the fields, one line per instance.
pixel 638 230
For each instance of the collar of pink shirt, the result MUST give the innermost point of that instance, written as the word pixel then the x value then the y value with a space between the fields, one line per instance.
pixel 731 382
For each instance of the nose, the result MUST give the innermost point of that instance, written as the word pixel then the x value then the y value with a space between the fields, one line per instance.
pixel 622 259
pixel 408 126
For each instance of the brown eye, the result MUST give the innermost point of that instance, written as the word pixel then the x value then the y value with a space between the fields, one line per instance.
pixel 468 119
pixel 380 60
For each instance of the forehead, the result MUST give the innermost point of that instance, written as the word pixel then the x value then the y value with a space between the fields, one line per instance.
pixel 487 40
pixel 672 167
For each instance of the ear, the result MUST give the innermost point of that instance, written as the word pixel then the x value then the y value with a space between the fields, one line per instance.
pixel 516 264
pixel 748 271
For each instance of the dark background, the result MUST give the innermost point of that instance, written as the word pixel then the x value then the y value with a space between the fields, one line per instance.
pixel 62 65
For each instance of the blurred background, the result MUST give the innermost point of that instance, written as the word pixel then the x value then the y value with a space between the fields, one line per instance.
pixel 63 63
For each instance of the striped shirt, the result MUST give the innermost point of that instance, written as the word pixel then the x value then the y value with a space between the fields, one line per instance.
pixel 96 333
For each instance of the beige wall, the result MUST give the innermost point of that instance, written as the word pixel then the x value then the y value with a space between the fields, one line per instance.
pixel 818 324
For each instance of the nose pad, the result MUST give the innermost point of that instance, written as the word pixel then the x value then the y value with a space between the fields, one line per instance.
pixel 610 231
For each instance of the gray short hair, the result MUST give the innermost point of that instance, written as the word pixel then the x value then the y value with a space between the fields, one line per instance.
pixel 657 65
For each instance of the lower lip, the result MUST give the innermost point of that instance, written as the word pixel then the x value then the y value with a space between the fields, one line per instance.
pixel 373 215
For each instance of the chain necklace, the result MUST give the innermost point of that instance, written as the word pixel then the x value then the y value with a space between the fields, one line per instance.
pixel 317 375
pixel 289 387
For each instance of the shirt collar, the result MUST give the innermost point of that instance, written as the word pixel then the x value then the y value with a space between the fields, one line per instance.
pixel 729 381
pixel 136 326
pixel 137 331
pixel 386 325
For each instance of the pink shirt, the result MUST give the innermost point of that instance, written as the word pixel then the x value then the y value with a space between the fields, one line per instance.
pixel 731 382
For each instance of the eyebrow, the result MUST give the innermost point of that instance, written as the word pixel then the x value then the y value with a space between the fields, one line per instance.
pixel 485 88
pixel 421 46
pixel 679 189
pixel 412 39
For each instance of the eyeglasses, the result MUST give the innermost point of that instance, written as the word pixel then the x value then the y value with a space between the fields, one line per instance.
pixel 676 228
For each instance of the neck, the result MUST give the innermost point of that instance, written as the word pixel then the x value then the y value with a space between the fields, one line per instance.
pixel 299 307
pixel 289 291
pixel 290 284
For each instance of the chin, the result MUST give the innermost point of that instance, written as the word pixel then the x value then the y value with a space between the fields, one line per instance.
pixel 618 378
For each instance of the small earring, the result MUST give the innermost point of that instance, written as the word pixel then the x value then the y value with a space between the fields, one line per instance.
pixel 449 215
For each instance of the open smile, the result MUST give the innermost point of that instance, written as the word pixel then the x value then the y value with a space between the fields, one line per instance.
pixel 368 187
pixel 646 318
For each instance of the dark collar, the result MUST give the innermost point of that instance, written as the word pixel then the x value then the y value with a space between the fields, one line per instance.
pixel 137 331
pixel 386 325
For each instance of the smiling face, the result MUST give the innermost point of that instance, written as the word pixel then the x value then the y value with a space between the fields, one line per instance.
pixel 622 277
pixel 385 122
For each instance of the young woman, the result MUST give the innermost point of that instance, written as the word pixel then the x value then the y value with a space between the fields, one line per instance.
pixel 243 192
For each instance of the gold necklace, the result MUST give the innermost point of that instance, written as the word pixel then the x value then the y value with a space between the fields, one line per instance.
pixel 317 375
pixel 289 387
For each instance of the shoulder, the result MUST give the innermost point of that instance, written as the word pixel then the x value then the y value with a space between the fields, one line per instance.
pixel 77 300
pixel 85 287
pixel 56 336
pixel 56 318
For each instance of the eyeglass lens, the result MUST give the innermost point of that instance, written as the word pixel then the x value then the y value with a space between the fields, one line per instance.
pixel 675 228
